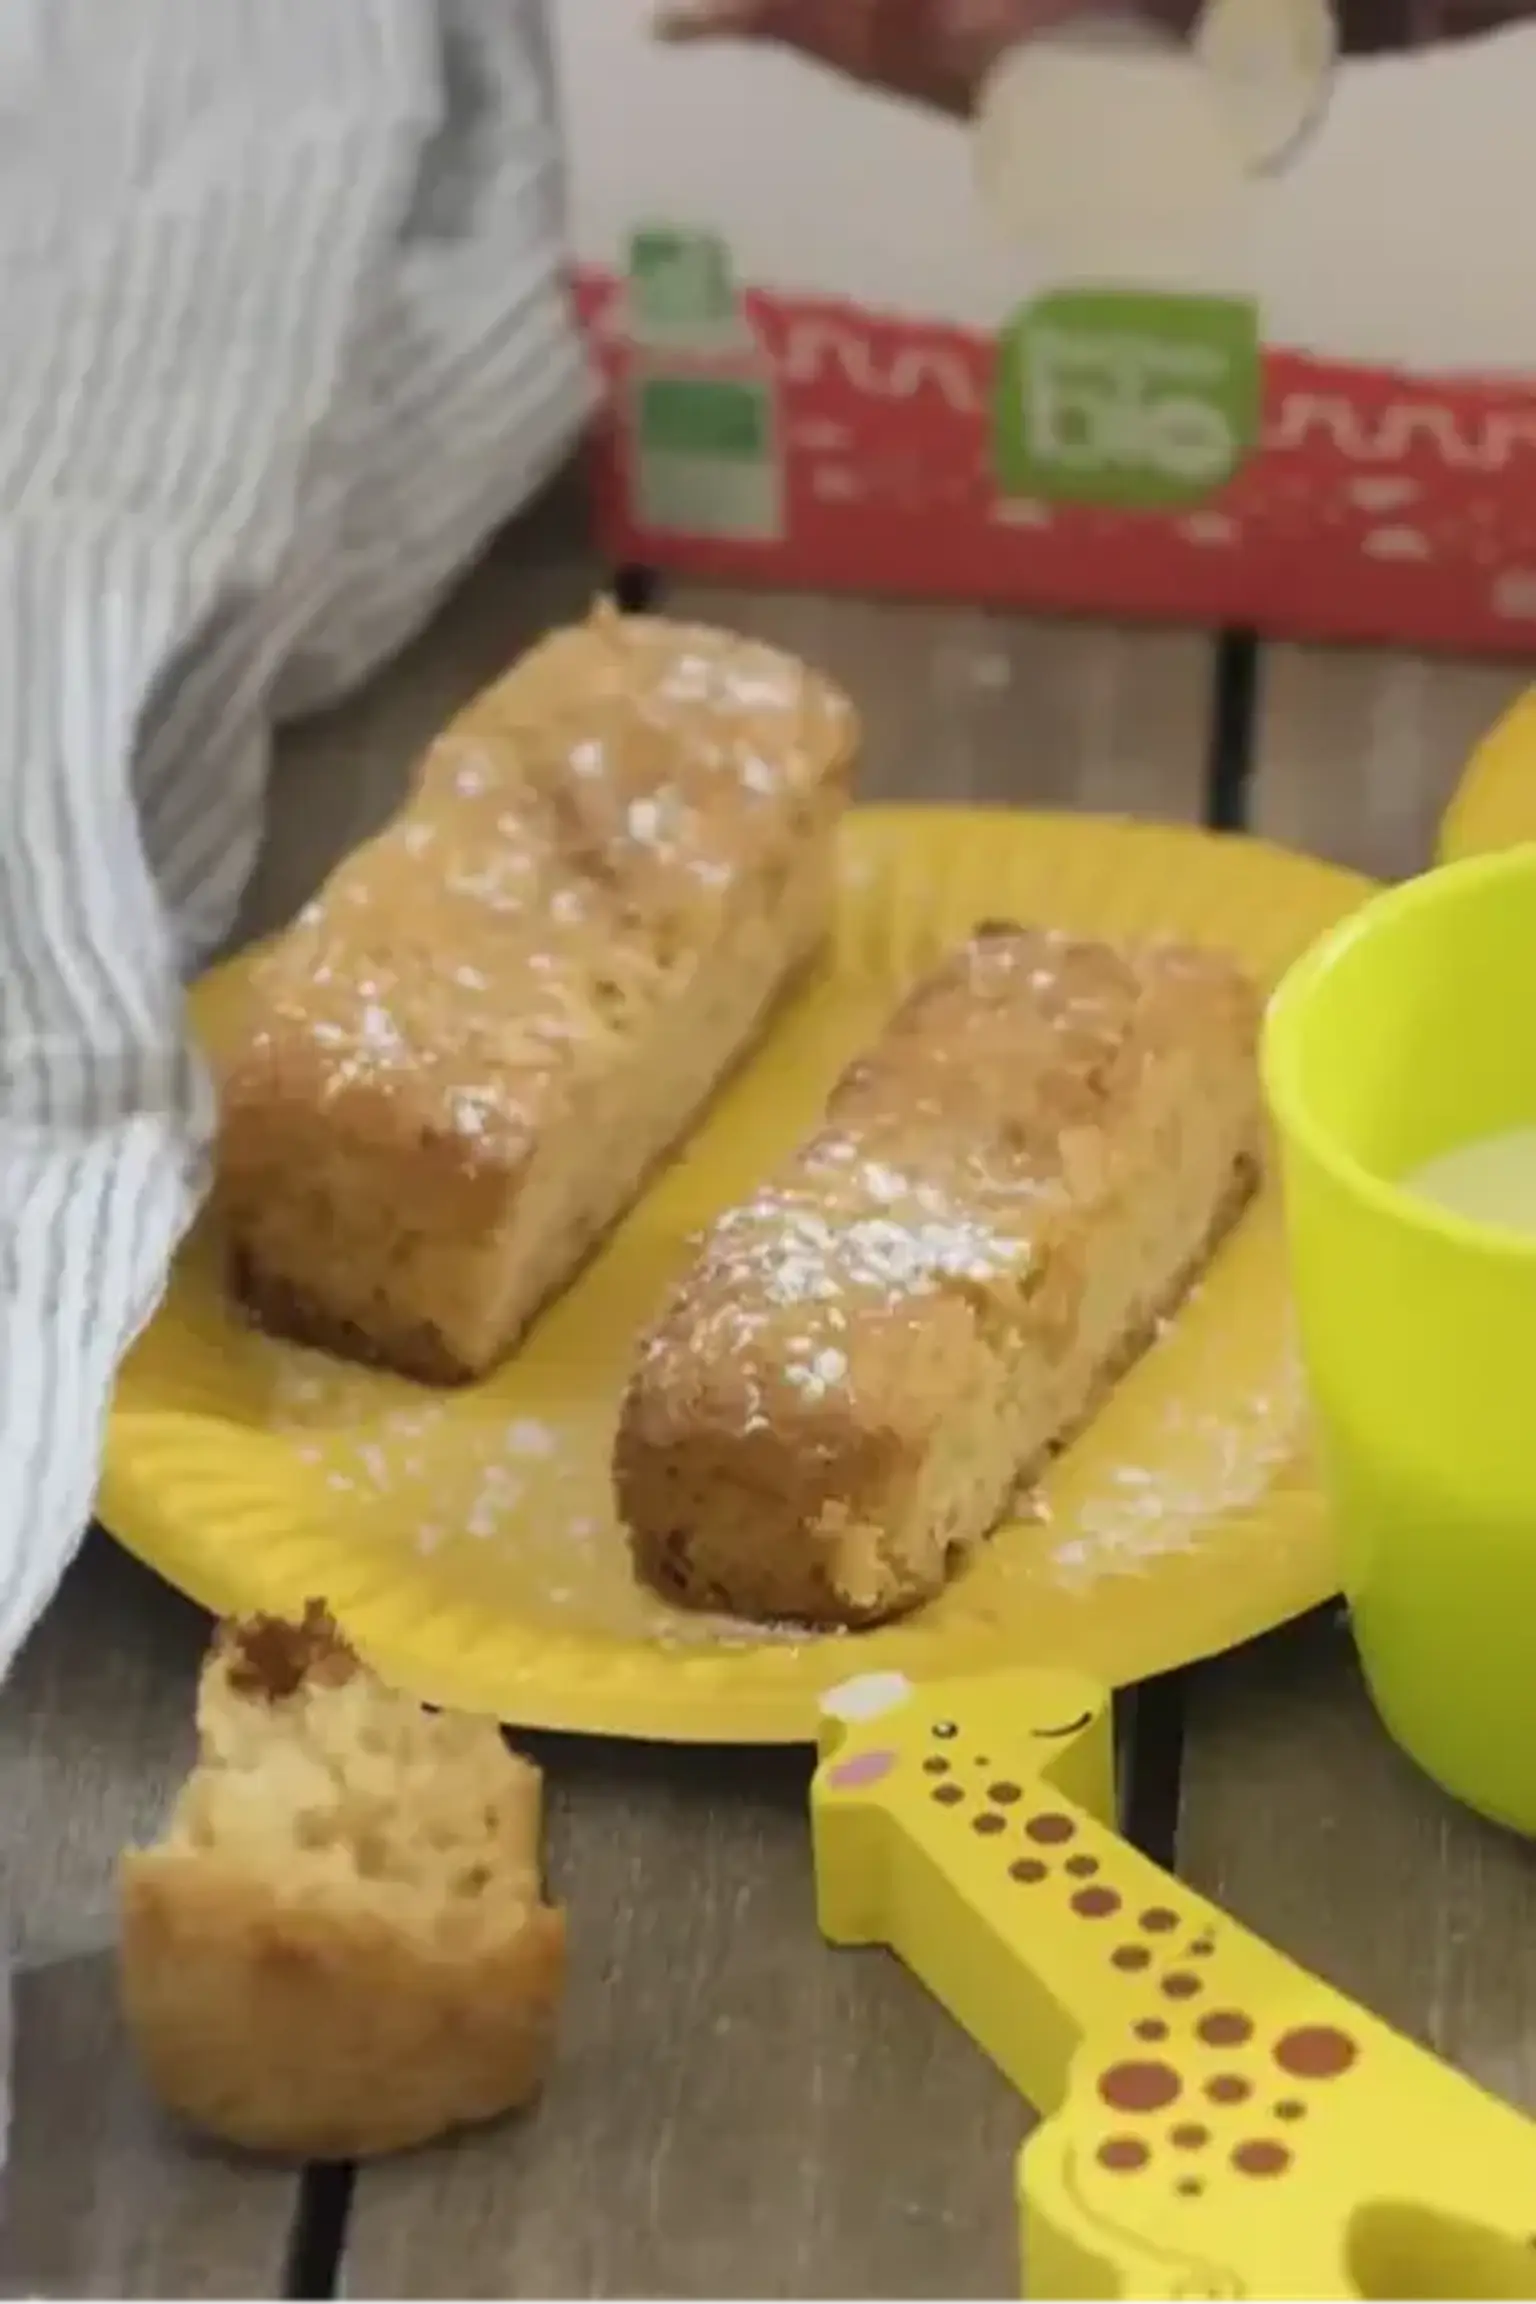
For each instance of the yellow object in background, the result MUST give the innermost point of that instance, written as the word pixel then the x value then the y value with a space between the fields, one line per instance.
pixel 1494 805
pixel 1218 2122
pixel 1406 1033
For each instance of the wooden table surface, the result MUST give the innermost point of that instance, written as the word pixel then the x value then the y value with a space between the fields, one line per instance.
pixel 739 2110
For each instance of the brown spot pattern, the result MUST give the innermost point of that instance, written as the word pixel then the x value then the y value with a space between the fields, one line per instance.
pixel 1290 2108
pixel 1315 2052
pixel 1123 2153
pixel 1082 1867
pixel 1224 2028
pixel 1261 2157
pixel 1157 1920
pixel 937 1766
pixel 1150 2028
pixel 1228 2088
pixel 1095 1903
pixel 1051 1829
pixel 1189 2136
pixel 1028 1868
pixel 987 1822
pixel 1130 1956
pixel 1181 1985
pixel 948 1795
pixel 1140 2087
pixel 1004 1794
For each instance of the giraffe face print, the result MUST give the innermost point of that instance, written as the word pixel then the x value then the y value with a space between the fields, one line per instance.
pixel 870 1719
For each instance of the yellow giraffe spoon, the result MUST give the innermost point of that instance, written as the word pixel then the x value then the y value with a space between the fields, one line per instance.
pixel 1218 2123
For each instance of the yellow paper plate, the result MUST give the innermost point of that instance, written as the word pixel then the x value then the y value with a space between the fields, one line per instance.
pixel 467 1540
pixel 1495 803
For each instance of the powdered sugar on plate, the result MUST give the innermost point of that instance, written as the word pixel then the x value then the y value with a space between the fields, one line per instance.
pixel 1211 1463
pixel 522 1500
pixel 519 1508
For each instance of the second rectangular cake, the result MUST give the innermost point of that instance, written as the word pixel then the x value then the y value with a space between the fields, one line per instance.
pixel 863 1360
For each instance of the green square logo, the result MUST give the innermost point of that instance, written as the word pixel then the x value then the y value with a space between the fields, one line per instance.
pixel 1120 397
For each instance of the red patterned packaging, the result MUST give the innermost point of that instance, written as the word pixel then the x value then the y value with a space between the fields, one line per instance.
pixel 1224 315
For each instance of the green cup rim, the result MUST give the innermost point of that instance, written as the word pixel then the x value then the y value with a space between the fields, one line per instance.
pixel 1284 1032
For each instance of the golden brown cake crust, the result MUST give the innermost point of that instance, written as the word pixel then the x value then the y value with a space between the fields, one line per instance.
pixel 318 2036
pixel 459 1064
pixel 1008 1189
pixel 340 1948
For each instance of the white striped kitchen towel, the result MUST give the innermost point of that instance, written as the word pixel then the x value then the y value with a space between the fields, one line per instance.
pixel 284 335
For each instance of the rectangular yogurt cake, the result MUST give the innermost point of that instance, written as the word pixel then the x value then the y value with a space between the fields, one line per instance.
pixel 863 1360
pixel 459 1065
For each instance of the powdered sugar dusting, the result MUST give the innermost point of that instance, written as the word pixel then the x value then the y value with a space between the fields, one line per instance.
pixel 852 1224
pixel 794 1252
pixel 527 1437
pixel 567 840
pixel 520 1504
pixel 515 1508
pixel 1208 1462
pixel 790 1268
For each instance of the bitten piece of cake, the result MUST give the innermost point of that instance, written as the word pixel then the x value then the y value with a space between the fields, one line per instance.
pixel 341 1946
pixel 863 1361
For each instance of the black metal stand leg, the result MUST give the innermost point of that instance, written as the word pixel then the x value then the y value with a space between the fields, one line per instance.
pixel 1233 732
